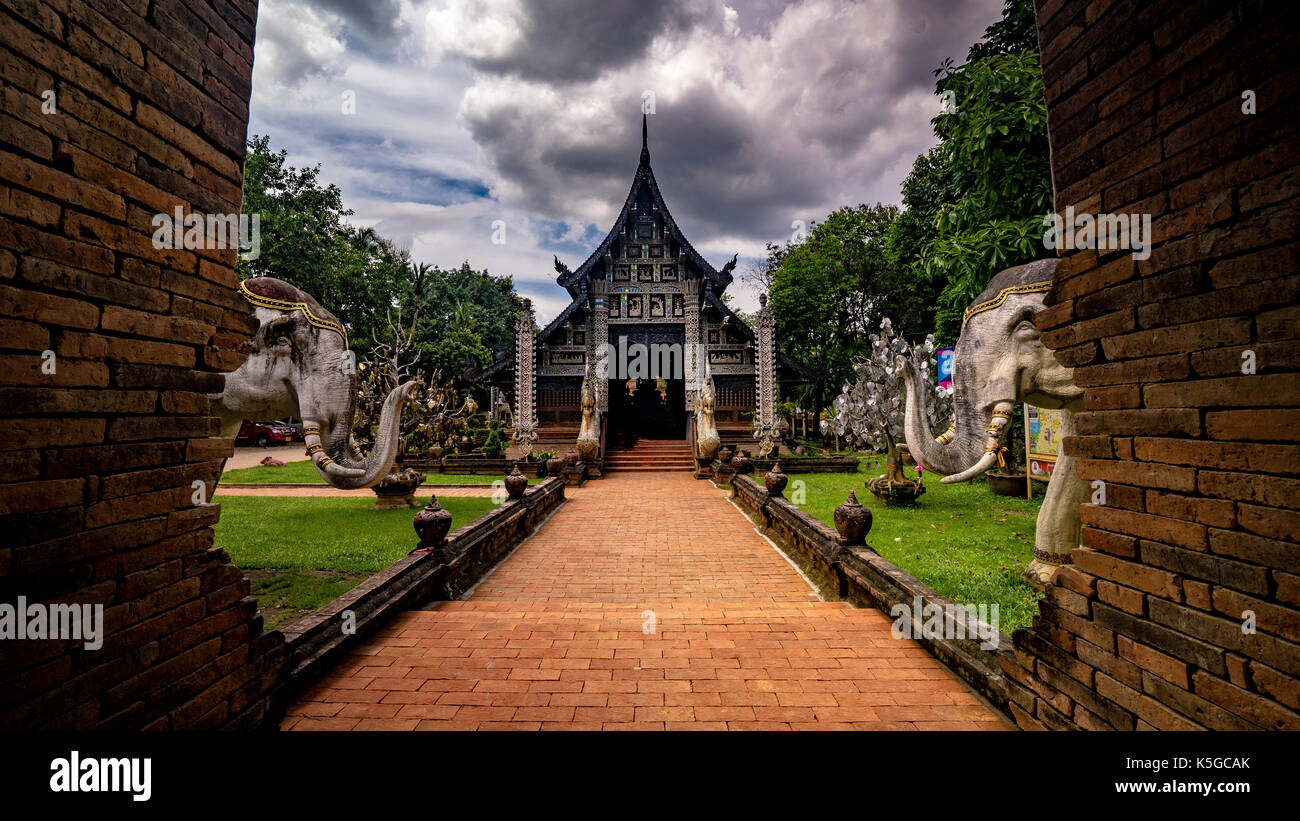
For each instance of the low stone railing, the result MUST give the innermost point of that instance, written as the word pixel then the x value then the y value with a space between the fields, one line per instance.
pixel 317 640
pixel 472 465
pixel 859 575
pixel 789 465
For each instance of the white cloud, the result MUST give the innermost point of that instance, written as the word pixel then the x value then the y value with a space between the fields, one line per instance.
pixel 503 109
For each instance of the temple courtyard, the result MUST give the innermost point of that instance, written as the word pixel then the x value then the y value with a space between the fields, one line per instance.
pixel 646 602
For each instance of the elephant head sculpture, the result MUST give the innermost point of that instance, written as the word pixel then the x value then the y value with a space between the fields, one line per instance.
pixel 300 366
pixel 1000 361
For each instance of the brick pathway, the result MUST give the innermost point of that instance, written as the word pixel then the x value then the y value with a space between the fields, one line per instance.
pixel 647 602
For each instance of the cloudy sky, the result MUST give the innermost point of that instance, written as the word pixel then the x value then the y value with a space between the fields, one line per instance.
pixel 475 113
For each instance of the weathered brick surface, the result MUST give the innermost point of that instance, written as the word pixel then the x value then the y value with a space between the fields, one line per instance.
pixel 1199 532
pixel 98 455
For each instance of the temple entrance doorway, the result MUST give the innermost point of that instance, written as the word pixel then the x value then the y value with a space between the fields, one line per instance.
pixel 647 409
pixel 647 386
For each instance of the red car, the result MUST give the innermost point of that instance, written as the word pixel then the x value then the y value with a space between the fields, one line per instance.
pixel 263 434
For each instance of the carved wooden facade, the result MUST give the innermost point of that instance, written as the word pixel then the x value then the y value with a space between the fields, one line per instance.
pixel 644 285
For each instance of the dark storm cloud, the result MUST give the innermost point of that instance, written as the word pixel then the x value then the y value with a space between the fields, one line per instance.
pixel 569 41
pixel 834 123
pixel 375 21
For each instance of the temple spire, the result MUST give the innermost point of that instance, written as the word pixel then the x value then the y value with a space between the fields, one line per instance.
pixel 645 140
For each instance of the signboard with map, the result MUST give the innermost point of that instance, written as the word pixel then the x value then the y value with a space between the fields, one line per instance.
pixel 1042 442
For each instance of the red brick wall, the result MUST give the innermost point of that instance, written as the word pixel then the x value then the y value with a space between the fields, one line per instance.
pixel 97 459
pixel 1199 460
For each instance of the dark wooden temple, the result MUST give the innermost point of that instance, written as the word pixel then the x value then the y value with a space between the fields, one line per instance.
pixel 644 285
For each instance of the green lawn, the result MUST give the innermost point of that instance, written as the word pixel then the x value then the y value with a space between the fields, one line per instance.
pixel 303 473
pixel 302 553
pixel 962 540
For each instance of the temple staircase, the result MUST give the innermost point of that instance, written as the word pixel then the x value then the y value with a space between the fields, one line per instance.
pixel 651 455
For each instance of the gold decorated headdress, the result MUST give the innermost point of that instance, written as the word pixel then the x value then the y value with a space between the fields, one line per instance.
pixel 990 304
pixel 264 301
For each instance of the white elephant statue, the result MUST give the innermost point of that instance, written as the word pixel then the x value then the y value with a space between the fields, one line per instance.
pixel 301 366
pixel 1000 361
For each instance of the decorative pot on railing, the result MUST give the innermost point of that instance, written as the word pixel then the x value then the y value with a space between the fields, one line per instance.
pixel 741 463
pixel 554 466
pixel 431 525
pixel 724 456
pixel 852 520
pixel 516 483
pixel 571 458
pixel 775 480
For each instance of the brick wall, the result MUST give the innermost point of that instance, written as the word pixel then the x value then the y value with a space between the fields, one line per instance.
pixel 97 459
pixel 1199 460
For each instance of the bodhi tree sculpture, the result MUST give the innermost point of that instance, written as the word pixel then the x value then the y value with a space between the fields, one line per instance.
pixel 869 413
pixel 429 423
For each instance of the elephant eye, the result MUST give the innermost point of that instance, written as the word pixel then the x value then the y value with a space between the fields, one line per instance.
pixel 1023 324
pixel 279 334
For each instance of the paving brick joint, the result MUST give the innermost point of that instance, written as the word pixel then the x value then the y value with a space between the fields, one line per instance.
pixel 647 602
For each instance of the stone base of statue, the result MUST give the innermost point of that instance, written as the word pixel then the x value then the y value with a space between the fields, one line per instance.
pixel 595 470
pixel 893 488
pixel 895 491
pixel 721 474
pixel 703 468
pixel 397 490
pixel 575 475
pixel 1040 571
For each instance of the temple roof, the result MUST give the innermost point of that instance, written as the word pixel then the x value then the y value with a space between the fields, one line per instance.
pixel 576 281
pixel 644 176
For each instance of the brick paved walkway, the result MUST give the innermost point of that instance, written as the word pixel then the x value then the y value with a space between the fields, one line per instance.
pixel 627 612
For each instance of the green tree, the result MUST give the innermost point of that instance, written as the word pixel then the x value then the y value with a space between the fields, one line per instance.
pixel 994 148
pixel 825 289
pixel 974 204
pixel 307 241
pixel 467 317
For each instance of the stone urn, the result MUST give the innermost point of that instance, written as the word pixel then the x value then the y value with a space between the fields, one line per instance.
pixel 571 458
pixel 775 480
pixel 516 483
pixel 852 520
pixel 554 466
pixel 741 463
pixel 431 525
pixel 397 489
pixel 724 456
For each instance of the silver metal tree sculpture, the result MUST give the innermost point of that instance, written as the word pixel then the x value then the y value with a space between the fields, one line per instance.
pixel 430 423
pixel 869 413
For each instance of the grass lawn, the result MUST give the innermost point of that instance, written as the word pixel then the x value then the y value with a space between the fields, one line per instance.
pixel 963 540
pixel 303 473
pixel 302 553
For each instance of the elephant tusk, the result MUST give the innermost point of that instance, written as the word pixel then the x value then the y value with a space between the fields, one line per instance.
pixel 324 465
pixel 1001 417
pixel 986 461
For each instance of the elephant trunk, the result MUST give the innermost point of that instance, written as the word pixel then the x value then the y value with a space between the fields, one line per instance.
pixel 336 458
pixel 941 455
pixel 993 437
